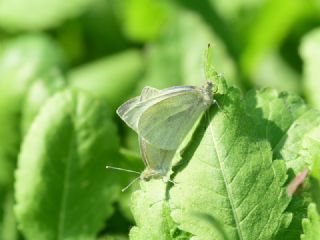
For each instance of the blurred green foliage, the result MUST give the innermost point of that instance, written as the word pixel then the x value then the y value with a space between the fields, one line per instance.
pixel 110 50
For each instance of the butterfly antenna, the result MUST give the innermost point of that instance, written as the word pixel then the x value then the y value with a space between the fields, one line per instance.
pixel 129 185
pixel 122 169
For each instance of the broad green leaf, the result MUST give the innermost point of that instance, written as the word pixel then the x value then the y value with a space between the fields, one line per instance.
pixel 22 61
pixel 310 52
pixel 269 29
pixel 225 172
pixel 138 13
pixel 287 123
pixel 273 71
pixel 62 188
pixel 38 14
pixel 173 62
pixel 311 225
pixel 152 214
pixel 38 93
pixel 110 78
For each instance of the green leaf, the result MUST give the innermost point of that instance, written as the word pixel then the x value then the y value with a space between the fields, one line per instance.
pixel 269 29
pixel 173 62
pixel 288 124
pixel 38 93
pixel 22 61
pixel 151 212
pixel 62 188
pixel 310 53
pixel 227 172
pixel 16 15
pixel 8 227
pixel 110 78
pixel 311 225
pixel 139 12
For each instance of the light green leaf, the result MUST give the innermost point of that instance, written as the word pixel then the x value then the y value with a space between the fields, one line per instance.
pixel 269 29
pixel 16 15
pixel 139 12
pixel 173 62
pixel 151 212
pixel 273 71
pixel 227 172
pixel 310 52
pixel 22 61
pixel 38 93
pixel 62 188
pixel 110 78
pixel 8 227
pixel 311 225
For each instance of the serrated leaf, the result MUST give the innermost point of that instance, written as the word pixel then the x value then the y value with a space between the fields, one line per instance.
pixel 226 171
pixel 311 225
pixel 62 188
pixel 15 15
pixel 310 52
pixel 285 121
pixel 151 212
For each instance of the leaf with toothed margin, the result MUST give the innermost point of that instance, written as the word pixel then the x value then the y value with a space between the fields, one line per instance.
pixel 152 214
pixel 62 189
pixel 227 172
pixel 311 225
pixel 285 121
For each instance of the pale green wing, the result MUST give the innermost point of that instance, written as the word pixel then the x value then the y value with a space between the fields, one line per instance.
pixel 166 123
pixel 148 93
pixel 155 158
pixel 131 110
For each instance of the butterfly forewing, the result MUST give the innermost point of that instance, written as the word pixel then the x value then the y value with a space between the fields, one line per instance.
pixel 167 122
pixel 131 110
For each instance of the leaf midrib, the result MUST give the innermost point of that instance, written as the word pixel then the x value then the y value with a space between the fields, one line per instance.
pixel 61 218
pixel 229 191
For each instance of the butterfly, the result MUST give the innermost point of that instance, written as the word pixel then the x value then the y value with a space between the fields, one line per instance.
pixel 162 119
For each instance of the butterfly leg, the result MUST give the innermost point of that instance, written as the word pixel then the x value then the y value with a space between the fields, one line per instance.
pixel 167 179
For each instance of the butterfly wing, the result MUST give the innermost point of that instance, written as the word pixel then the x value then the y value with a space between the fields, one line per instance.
pixel 167 122
pixel 159 160
pixel 131 110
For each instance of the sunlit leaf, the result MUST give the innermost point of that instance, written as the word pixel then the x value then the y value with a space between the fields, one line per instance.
pixel 62 188
pixel 38 14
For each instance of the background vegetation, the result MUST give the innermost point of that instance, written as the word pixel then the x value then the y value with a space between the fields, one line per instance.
pixel 54 149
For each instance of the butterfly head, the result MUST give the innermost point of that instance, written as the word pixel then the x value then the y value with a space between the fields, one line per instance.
pixel 149 174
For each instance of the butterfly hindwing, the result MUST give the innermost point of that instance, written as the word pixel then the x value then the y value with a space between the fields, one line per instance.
pixel 155 158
